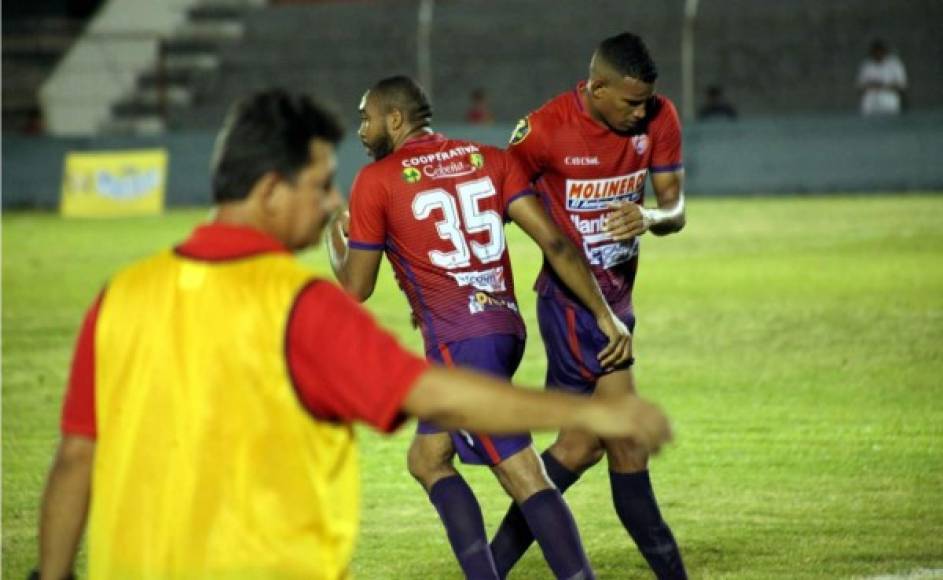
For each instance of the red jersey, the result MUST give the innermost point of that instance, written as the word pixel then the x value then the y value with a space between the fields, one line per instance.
pixel 580 167
pixel 437 207
pixel 324 328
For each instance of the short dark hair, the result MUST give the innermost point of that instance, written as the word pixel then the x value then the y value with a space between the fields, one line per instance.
pixel 404 93
pixel 628 55
pixel 268 131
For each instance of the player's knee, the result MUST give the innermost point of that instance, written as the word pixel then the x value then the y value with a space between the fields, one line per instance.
pixel 522 479
pixel 427 467
pixel 417 464
pixel 591 457
pixel 578 454
pixel 625 456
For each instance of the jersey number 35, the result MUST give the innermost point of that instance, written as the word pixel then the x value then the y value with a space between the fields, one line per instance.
pixel 470 194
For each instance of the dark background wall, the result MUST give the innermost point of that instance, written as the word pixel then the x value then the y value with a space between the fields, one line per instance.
pixel 773 58
pixel 813 154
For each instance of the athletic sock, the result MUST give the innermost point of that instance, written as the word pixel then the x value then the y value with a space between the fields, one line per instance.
pixel 514 536
pixel 461 515
pixel 552 524
pixel 635 504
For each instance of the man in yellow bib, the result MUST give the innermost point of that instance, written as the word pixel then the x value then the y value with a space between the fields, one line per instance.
pixel 206 430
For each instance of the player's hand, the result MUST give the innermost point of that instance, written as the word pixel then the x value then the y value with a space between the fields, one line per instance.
pixel 342 222
pixel 625 221
pixel 338 231
pixel 628 416
pixel 619 349
pixel 335 235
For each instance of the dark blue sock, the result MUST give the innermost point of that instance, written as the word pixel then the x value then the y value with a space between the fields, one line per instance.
pixel 461 515
pixel 514 536
pixel 635 504
pixel 553 526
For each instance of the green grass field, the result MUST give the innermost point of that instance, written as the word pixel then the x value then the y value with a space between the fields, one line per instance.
pixel 797 344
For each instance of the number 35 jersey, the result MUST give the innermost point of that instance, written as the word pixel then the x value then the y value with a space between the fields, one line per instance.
pixel 580 167
pixel 437 207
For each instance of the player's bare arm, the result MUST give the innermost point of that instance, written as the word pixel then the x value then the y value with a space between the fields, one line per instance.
pixel 65 506
pixel 629 220
pixel 570 264
pixel 356 270
pixel 457 398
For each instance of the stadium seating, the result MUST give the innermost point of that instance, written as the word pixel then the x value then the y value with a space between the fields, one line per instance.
pixel 771 58
pixel 32 45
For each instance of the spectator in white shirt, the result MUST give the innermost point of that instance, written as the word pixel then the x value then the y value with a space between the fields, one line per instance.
pixel 882 80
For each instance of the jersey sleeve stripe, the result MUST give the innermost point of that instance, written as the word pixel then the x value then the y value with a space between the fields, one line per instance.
pixel 517 196
pixel 666 168
pixel 365 245
pixel 514 198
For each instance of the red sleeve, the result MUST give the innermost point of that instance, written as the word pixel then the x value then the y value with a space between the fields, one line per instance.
pixel 367 213
pixel 515 182
pixel 344 366
pixel 78 408
pixel 666 140
pixel 527 145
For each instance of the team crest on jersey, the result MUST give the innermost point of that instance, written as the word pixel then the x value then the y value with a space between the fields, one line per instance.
pixel 477 160
pixel 411 175
pixel 521 131
pixel 640 143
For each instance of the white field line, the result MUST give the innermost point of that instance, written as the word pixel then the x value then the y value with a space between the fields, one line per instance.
pixel 921 574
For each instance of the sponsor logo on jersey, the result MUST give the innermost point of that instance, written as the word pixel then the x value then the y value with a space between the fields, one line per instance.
pixel 521 131
pixel 602 251
pixel 488 280
pixel 447 170
pixel 581 160
pixel 590 226
pixel 411 175
pixel 597 194
pixel 477 160
pixel 482 302
pixel 640 142
pixel 440 156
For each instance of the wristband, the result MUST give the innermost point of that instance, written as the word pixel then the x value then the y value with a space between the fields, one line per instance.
pixel 655 216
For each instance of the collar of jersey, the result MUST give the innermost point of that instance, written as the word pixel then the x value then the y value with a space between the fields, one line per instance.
pixel 424 138
pixel 218 242
pixel 577 92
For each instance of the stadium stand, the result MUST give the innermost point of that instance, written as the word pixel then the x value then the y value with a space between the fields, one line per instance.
pixel 790 58
pixel 189 53
pixel 35 37
pixel 332 49
pixel 786 58
pixel 101 83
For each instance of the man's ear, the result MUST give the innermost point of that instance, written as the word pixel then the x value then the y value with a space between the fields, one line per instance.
pixel 394 120
pixel 596 86
pixel 265 190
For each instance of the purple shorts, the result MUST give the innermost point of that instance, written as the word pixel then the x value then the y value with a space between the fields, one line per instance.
pixel 572 341
pixel 498 355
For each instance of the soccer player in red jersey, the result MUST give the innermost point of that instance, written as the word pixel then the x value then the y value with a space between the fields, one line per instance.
pixel 590 152
pixel 205 427
pixel 437 206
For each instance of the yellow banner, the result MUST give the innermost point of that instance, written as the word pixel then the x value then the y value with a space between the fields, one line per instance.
pixel 114 183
